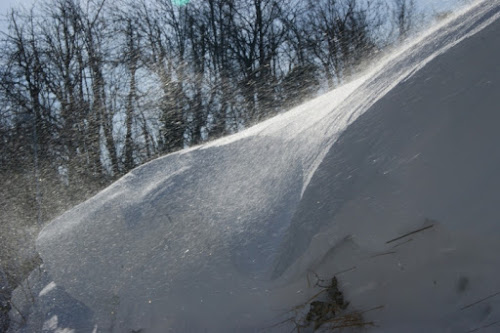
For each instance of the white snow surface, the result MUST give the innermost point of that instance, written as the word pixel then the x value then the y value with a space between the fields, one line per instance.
pixel 47 289
pixel 51 325
pixel 224 237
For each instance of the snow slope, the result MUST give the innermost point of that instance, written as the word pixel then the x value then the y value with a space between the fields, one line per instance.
pixel 224 237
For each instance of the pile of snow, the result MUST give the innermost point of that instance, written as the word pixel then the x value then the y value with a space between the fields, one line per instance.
pixel 227 236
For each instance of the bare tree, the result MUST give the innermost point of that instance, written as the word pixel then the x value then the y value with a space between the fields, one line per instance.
pixel 131 60
pixel 404 13
pixel 340 34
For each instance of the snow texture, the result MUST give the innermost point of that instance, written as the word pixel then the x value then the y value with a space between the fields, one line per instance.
pixel 48 288
pixel 224 237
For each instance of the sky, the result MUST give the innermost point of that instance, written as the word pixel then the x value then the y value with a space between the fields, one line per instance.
pixel 436 5
pixel 6 5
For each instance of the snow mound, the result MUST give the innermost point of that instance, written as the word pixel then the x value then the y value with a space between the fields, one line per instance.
pixel 224 237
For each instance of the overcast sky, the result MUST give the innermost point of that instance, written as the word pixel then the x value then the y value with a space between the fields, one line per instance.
pixel 431 5
pixel 6 4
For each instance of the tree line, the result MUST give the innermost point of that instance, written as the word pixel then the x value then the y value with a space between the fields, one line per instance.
pixel 90 89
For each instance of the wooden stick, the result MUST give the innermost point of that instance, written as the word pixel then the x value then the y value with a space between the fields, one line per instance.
pixel 345 271
pixel 481 300
pixel 402 243
pixel 383 254
pixel 410 233
pixel 486 326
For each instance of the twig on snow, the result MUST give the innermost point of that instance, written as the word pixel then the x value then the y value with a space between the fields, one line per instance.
pixel 410 233
pixel 481 300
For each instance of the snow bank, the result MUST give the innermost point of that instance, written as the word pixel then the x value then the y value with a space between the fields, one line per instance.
pixel 223 237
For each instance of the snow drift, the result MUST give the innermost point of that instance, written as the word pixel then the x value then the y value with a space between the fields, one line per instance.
pixel 223 237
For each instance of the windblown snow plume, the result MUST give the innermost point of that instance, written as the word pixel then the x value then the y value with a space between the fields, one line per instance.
pixel 392 179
